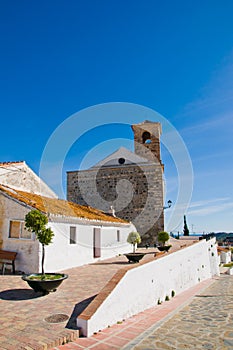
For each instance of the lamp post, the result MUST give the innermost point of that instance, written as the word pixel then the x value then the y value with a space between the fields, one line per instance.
pixel 169 204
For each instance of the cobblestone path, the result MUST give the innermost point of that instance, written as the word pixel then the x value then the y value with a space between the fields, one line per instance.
pixel 206 323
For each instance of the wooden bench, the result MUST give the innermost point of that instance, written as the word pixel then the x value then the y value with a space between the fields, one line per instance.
pixel 7 258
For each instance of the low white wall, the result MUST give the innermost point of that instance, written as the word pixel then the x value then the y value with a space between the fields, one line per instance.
pixel 225 257
pixel 143 286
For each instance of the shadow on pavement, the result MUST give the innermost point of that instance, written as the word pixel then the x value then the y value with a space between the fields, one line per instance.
pixel 78 309
pixel 19 294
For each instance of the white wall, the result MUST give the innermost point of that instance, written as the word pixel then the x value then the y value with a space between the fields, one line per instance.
pixel 61 255
pixel 21 177
pixel 27 259
pixel 225 257
pixel 142 286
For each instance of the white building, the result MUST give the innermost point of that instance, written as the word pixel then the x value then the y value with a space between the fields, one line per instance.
pixel 18 175
pixel 81 234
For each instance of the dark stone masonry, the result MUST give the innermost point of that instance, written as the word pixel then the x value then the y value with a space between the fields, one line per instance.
pixel 130 183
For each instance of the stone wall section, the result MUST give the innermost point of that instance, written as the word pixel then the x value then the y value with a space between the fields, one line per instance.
pixel 134 191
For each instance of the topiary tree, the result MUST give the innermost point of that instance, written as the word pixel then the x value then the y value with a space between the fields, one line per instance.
pixel 36 222
pixel 134 238
pixel 185 230
pixel 163 237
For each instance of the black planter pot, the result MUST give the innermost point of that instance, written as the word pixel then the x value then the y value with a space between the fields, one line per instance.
pixel 164 248
pixel 44 286
pixel 134 257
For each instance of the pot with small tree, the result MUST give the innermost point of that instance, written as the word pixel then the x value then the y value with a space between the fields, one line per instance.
pixel 36 222
pixel 134 239
pixel 163 237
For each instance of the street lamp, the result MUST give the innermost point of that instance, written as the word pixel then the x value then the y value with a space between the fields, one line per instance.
pixel 169 204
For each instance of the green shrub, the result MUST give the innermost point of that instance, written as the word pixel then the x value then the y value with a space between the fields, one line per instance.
pixel 228 265
pixel 163 237
pixel 134 238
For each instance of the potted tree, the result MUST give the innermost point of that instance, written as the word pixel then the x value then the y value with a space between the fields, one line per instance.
pixel 36 222
pixel 163 237
pixel 134 239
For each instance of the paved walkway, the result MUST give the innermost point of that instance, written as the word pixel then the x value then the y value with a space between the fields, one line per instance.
pixel 206 323
pixel 24 314
pixel 199 318
pixel 25 324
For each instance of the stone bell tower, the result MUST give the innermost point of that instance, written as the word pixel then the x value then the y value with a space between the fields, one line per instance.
pixel 147 140
pixel 147 145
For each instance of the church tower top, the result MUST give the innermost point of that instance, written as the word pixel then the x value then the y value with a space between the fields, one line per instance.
pixel 147 139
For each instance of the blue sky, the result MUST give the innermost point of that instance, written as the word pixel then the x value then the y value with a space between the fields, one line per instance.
pixel 175 57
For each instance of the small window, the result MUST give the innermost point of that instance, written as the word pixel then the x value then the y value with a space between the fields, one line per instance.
pixel 17 230
pixel 121 160
pixel 25 234
pixel 118 235
pixel 72 235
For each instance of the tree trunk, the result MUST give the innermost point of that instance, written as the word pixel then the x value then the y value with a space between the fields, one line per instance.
pixel 42 262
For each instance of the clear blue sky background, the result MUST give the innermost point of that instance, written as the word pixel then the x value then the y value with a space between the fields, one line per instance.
pixel 176 57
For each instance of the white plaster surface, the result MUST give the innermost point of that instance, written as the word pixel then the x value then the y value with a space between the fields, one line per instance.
pixel 225 257
pixel 21 177
pixel 142 286
pixel 60 255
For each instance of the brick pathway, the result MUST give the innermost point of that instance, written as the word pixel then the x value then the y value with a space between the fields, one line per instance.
pixel 132 331
pixel 23 313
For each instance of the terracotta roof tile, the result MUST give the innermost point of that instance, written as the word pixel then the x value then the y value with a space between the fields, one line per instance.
pixel 5 164
pixel 59 206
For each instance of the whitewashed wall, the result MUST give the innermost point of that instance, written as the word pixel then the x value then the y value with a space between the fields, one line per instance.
pixel 21 177
pixel 27 259
pixel 225 257
pixel 61 255
pixel 142 286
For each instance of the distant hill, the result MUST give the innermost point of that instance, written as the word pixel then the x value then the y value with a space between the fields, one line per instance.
pixel 221 236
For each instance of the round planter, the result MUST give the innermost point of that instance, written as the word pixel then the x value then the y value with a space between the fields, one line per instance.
pixel 44 286
pixel 134 257
pixel 164 248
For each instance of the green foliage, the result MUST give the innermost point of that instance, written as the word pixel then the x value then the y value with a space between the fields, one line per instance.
pixel 163 237
pixel 228 265
pixel 47 277
pixel 167 298
pixel 36 222
pixel 134 238
pixel 173 293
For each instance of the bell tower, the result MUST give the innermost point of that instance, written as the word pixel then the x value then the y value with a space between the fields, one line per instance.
pixel 147 140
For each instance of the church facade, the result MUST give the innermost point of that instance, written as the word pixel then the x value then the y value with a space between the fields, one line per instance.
pixel 127 184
